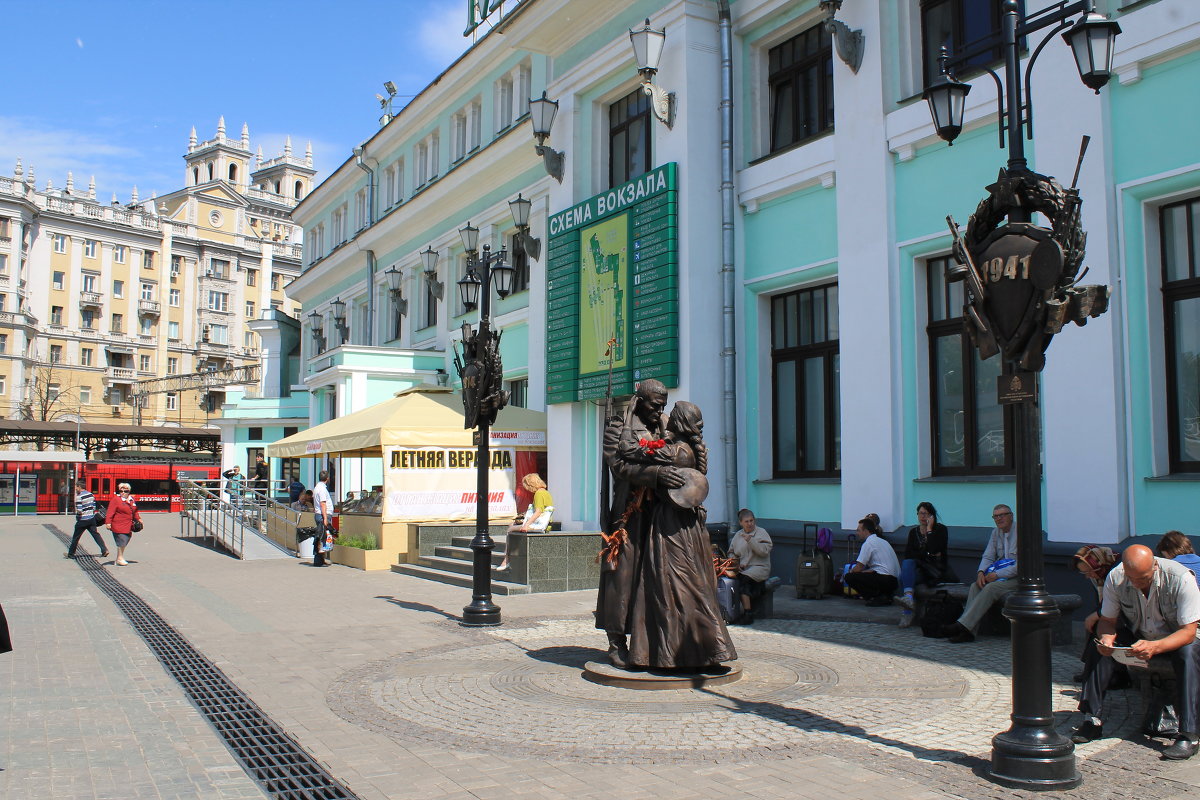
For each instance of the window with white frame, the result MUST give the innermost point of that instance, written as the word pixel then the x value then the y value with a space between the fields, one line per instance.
pixel 218 267
pixel 274 281
pixel 146 326
pixel 218 334
pixel 249 309
pixel 172 401
pixel 89 282
pixel 85 395
pixel 173 331
pixel 251 277
pixel 3 263
pixel 173 297
pixel 58 280
pixel 118 288
pixel 337 225
pixel 399 193
pixel 458 137
pixel 1179 230
pixel 87 319
pixel 504 103
pixel 56 315
pixel 518 392
pixel 56 354
pixel 218 301
pixel 89 248
pixel 119 253
pixel 421 162
pixel 361 212
pixel 60 243
pixel 475 124
pixel 435 154
pixel 86 356
pixel 118 323
pixel 172 365
pixel 388 186
pixel 144 363
pixel 148 259
pixel 522 90
pixel 53 391
pixel 147 291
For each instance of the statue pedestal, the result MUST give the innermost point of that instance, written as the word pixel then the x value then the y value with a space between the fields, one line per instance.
pixel 608 675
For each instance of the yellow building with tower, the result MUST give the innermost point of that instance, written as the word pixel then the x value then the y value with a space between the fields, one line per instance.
pixel 98 299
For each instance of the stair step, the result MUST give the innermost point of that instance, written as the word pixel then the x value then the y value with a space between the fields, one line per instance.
pixel 465 541
pixel 455 579
pixel 466 553
pixel 455 565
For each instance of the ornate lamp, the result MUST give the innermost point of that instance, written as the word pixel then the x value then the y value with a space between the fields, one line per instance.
pixel 947 99
pixel 647 52
pixel 542 111
pixel 1092 39
pixel 429 260
pixel 520 209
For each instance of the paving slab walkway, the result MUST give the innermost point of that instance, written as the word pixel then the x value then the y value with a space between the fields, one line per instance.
pixel 371 673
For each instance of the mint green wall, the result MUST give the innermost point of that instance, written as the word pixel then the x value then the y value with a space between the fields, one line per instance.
pixel 943 180
pixel 1155 120
pixel 800 228
pixel 514 349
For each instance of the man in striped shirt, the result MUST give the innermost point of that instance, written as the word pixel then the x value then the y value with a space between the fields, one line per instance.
pixel 85 520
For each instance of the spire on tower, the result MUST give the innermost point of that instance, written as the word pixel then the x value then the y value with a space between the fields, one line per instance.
pixel 308 154
pixel 221 128
pixel 259 158
pixel 192 140
pixel 49 185
pixel 287 147
pixel 134 197
pixel 30 179
pixel 245 136
pixel 92 188
pixel 19 171
pixel 70 182
pixel 115 201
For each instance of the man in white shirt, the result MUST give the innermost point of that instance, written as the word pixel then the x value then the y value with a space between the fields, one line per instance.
pixel 995 579
pixel 876 573
pixel 1160 602
pixel 323 510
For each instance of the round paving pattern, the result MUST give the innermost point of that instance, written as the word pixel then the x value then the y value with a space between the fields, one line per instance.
pixel 519 691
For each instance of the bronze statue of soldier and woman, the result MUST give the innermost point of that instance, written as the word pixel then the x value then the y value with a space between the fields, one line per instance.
pixel 657 601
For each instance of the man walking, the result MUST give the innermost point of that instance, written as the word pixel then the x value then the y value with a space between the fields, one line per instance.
pixel 261 474
pixel 995 579
pixel 323 505
pixel 85 520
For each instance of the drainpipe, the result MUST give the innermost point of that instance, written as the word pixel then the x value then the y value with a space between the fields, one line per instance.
pixel 360 162
pixel 728 329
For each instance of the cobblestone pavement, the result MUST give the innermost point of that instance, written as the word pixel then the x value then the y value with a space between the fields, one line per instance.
pixel 373 676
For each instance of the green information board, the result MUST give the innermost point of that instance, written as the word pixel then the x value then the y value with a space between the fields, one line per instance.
pixel 613 273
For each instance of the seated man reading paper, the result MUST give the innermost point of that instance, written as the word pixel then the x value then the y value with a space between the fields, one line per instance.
pixel 1159 600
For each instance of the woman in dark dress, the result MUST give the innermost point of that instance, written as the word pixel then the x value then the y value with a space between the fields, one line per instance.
pixel 925 558
pixel 674 618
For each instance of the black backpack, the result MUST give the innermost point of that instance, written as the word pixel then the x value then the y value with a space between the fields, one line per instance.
pixel 940 611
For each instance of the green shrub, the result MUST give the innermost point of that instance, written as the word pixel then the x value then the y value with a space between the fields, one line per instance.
pixel 365 542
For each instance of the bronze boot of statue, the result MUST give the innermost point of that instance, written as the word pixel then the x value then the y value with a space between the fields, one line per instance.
pixel 618 650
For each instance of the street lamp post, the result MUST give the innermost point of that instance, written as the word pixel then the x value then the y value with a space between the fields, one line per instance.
pixel 482 375
pixel 1031 754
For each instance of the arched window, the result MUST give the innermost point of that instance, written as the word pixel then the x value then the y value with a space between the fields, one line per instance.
pixel 233 173
pixel 210 170
pixel 195 175
pixel 276 187
pixel 299 189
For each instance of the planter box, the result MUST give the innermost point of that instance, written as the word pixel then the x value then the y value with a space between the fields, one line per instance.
pixel 362 559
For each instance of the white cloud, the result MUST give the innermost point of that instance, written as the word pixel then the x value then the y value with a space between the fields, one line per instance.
pixel 79 42
pixel 439 36
pixel 54 152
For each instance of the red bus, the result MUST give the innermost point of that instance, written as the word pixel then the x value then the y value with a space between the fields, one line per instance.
pixel 155 485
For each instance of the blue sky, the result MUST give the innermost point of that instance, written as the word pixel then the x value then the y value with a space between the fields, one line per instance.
pixel 113 88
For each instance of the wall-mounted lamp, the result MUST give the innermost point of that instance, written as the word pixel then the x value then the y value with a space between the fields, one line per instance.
pixel 470 239
pixel 647 51
pixel 318 331
pixel 395 279
pixel 520 208
pixel 849 43
pixel 541 114
pixel 339 319
pixel 443 377
pixel 429 259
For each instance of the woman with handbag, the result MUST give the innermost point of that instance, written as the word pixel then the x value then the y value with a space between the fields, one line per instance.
pixel 123 520
pixel 926 559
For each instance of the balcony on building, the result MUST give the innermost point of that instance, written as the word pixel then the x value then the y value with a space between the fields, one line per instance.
pixel 17 319
pixel 91 300
pixel 120 375
pixel 149 308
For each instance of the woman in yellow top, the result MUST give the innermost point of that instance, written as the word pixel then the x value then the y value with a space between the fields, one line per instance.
pixel 537 518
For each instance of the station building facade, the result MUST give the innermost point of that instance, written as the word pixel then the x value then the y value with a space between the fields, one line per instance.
pixel 798 296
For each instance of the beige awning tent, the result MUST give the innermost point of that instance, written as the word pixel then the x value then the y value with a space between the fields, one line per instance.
pixel 423 416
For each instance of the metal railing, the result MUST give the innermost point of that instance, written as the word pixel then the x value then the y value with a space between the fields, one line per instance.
pixel 222 514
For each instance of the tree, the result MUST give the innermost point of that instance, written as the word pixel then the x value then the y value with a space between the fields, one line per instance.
pixel 45 396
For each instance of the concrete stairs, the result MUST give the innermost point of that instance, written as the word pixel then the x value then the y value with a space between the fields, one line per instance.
pixel 453 564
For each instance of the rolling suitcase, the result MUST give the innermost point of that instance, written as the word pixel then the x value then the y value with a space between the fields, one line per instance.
pixel 814 569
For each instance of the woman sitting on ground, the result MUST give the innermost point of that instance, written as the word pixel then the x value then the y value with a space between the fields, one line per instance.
pixel 874 574
pixel 925 559
pixel 537 517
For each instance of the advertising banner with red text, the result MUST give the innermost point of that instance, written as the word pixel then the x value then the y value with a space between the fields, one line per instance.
pixel 424 484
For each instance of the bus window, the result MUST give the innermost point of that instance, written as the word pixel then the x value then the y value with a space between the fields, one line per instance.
pixel 107 485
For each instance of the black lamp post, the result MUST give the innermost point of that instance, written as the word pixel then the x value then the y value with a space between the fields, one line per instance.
pixel 1031 754
pixel 482 376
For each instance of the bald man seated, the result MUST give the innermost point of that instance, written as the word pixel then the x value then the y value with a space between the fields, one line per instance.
pixel 1160 603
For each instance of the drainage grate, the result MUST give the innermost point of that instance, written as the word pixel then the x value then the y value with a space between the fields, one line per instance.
pixel 268 754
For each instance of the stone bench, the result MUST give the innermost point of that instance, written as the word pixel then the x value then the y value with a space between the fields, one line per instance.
pixel 994 622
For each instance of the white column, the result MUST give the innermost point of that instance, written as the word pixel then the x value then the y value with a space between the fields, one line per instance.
pixel 1083 401
pixel 868 286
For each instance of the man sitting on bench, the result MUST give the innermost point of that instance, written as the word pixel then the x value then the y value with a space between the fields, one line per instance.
pixel 1160 601
pixel 995 579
